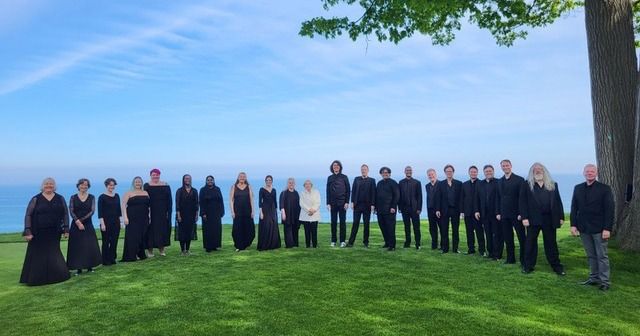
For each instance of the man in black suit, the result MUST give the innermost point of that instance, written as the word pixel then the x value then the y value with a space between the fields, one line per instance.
pixel 507 203
pixel 432 193
pixel 448 209
pixel 338 194
pixel 541 210
pixel 387 196
pixel 363 196
pixel 410 205
pixel 592 215
pixel 485 212
pixel 468 199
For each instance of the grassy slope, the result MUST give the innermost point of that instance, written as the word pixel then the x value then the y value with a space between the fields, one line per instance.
pixel 325 291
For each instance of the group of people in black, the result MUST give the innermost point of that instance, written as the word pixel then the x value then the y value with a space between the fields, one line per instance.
pixel 493 209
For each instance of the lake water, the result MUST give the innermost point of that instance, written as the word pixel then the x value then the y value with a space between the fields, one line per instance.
pixel 14 198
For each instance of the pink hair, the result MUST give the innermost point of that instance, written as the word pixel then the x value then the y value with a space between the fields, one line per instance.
pixel 154 170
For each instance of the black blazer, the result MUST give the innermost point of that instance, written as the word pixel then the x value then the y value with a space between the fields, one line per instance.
pixel 530 208
pixel 366 187
pixel 334 198
pixel 486 198
pixel 507 197
pixel 410 195
pixel 442 202
pixel 387 196
pixel 592 210
pixel 432 194
pixel 468 197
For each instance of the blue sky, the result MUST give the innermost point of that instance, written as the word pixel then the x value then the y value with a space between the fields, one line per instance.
pixel 115 88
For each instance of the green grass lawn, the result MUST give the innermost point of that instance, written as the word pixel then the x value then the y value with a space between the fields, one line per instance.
pixel 326 291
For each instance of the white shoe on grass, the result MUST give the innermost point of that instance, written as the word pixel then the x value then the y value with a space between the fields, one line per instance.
pixel 343 244
pixel 333 244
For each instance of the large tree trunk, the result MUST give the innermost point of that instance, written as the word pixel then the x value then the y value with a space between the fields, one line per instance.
pixel 614 70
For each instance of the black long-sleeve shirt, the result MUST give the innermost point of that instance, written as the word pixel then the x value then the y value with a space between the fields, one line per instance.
pixel 432 192
pixel 109 207
pixel 486 198
pixel 592 208
pixel 508 196
pixel 410 195
pixel 363 193
pixel 338 190
pixel 468 196
pixel 449 196
pixel 387 196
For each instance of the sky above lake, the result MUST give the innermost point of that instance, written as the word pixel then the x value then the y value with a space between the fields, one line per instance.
pixel 120 87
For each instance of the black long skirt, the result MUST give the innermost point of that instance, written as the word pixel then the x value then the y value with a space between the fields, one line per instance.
pixel 243 232
pixel 134 243
pixel 83 250
pixel 268 233
pixel 212 233
pixel 44 263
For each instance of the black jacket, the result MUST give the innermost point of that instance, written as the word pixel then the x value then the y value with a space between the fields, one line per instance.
pixel 468 197
pixel 592 208
pixel 530 208
pixel 432 192
pixel 337 197
pixel 508 196
pixel 410 195
pixel 366 188
pixel 486 198
pixel 387 196
pixel 442 201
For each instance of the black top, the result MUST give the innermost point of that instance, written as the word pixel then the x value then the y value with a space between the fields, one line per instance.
pixel 539 203
pixel 338 190
pixel 290 202
pixel 449 196
pixel 211 202
pixel 387 196
pixel 363 194
pixel 468 196
pixel 109 207
pixel 160 198
pixel 410 195
pixel 508 195
pixel 187 202
pixel 45 214
pixel 592 207
pixel 241 202
pixel 432 191
pixel 80 210
pixel 486 198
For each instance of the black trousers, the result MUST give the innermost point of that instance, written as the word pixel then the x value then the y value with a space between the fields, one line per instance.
pixel 110 241
pixel 490 226
pixel 366 218
pixel 411 218
pixel 310 233
pixel 550 246
pixel 291 228
pixel 185 245
pixel 473 226
pixel 387 224
pixel 508 226
pixel 454 216
pixel 433 228
pixel 338 210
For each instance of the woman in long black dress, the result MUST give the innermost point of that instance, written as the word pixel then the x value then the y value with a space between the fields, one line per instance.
pixel 136 220
pixel 46 219
pixel 186 214
pixel 243 231
pixel 83 251
pixel 290 213
pixel 268 233
pixel 110 216
pixel 211 211
pixel 159 232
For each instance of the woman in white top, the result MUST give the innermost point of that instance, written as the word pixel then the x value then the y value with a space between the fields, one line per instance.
pixel 310 213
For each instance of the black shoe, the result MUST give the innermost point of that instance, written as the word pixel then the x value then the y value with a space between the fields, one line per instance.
pixel 350 245
pixel 366 245
pixel 590 282
pixel 604 287
pixel 407 245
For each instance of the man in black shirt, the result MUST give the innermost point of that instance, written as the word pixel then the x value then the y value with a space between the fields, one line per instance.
pixel 338 193
pixel 387 196
pixel 363 196
pixel 507 203
pixel 432 193
pixel 410 205
pixel 592 215
pixel 485 212
pixel 469 195
pixel 448 209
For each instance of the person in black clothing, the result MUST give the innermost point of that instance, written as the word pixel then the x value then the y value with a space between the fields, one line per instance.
pixel 158 233
pixel 541 210
pixel 46 219
pixel 211 211
pixel 469 196
pixel 338 193
pixel 363 196
pixel 187 206
pixel 592 214
pixel 290 214
pixel 485 213
pixel 432 192
pixel 507 212
pixel 268 233
pixel 110 216
pixel 448 209
pixel 387 197
pixel 410 205
pixel 136 212
pixel 83 251
pixel 243 231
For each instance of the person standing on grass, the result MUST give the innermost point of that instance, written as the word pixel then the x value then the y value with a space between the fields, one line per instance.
pixel 268 232
pixel 187 206
pixel 290 213
pixel 83 251
pixel 387 197
pixel 363 195
pixel 592 216
pixel 211 211
pixel 338 193
pixel 310 213
pixel 136 213
pixel 159 231
pixel 448 209
pixel 46 219
pixel 485 213
pixel 241 197
pixel 110 217
pixel 469 196
pixel 432 192
pixel 410 205
pixel 507 212
pixel 541 210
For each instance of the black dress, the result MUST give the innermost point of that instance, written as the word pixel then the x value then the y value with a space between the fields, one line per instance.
pixel 83 250
pixel 211 207
pixel 138 215
pixel 290 203
pixel 109 210
pixel 46 221
pixel 161 203
pixel 187 205
pixel 243 231
pixel 268 233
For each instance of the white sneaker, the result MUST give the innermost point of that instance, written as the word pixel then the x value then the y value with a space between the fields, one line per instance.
pixel 333 244
pixel 343 244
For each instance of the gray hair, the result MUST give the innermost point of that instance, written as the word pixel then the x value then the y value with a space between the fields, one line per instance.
pixel 48 179
pixel 548 182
